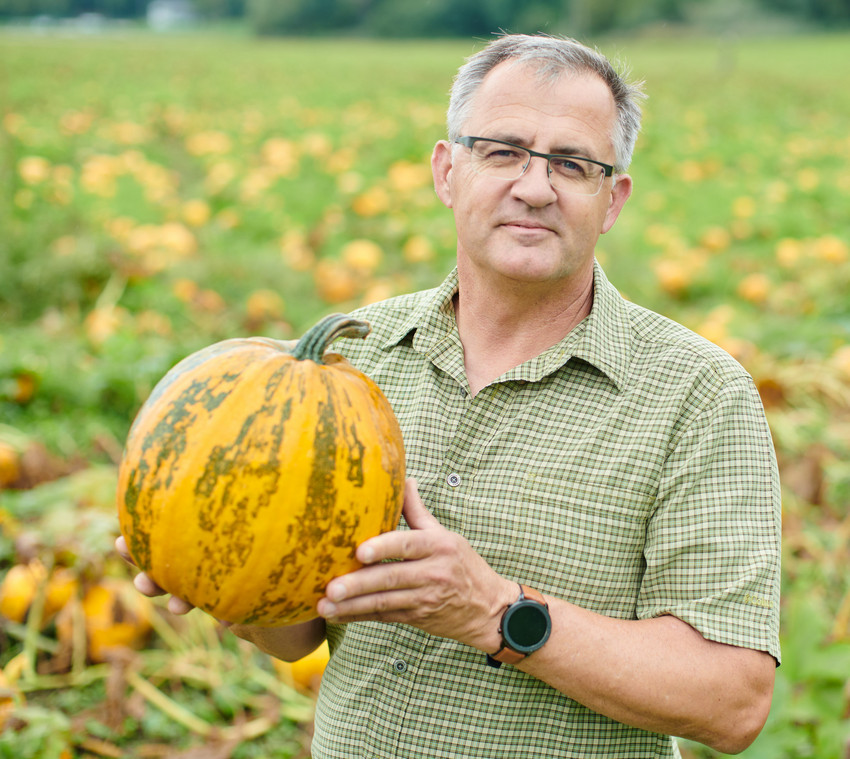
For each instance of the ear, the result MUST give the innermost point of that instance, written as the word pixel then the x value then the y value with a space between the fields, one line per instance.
pixel 619 195
pixel 441 167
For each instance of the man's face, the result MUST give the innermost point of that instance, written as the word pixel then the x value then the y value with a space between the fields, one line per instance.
pixel 524 229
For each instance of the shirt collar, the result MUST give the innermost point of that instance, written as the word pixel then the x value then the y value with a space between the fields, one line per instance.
pixel 606 340
pixel 433 319
pixel 602 339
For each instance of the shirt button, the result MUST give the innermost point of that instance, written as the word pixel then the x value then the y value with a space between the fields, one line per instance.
pixel 400 666
pixel 453 480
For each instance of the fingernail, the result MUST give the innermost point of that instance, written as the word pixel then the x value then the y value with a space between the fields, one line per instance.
pixel 326 608
pixel 367 554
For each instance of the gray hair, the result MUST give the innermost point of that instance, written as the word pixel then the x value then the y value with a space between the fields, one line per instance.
pixel 551 56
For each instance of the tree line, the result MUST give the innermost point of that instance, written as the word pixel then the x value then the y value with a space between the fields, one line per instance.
pixel 448 18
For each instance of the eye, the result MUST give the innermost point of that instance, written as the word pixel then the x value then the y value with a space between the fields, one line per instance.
pixel 503 155
pixel 571 166
pixel 496 152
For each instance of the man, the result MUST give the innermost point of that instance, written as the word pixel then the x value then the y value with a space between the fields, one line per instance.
pixel 590 557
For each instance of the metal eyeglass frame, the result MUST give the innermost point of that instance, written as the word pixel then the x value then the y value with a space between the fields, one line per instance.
pixel 468 142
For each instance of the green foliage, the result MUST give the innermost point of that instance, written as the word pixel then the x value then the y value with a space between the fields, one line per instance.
pixel 461 18
pixel 46 735
pixel 822 11
pixel 63 8
pixel 441 18
pixel 294 17
pixel 217 9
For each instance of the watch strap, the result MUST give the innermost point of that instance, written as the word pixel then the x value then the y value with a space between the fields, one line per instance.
pixel 534 595
pixel 505 655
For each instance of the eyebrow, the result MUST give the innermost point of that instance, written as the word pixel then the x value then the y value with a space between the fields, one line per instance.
pixel 565 150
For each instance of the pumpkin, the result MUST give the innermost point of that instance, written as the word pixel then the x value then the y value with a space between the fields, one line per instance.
pixel 10 464
pixel 255 469
pixel 115 617
pixel 305 673
pixel 19 587
pixel 22 583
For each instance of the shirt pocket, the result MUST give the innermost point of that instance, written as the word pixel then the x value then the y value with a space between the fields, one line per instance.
pixel 578 534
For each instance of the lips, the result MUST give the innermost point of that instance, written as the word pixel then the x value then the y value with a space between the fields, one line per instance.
pixel 532 226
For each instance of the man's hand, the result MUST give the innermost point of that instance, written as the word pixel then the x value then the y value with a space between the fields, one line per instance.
pixel 148 587
pixel 434 580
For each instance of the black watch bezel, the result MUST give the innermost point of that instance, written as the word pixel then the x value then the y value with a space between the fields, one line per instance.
pixel 515 614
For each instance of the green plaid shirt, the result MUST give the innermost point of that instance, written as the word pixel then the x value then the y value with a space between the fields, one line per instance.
pixel 628 469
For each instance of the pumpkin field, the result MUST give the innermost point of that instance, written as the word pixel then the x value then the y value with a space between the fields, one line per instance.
pixel 162 192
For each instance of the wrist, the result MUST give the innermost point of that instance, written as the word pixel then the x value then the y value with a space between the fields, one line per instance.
pixel 490 637
pixel 524 628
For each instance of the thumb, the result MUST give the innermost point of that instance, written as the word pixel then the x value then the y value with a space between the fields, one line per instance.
pixel 417 516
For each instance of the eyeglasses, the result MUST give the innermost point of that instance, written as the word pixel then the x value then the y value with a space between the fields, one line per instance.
pixel 504 160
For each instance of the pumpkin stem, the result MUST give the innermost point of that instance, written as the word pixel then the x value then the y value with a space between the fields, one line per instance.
pixel 317 339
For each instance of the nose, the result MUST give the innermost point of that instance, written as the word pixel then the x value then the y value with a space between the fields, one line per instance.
pixel 533 185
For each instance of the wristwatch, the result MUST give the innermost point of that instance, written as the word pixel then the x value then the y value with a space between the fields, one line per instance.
pixel 525 627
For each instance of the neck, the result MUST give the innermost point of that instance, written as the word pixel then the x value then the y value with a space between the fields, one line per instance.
pixel 502 327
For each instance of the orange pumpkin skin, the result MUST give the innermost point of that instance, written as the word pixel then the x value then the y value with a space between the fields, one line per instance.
pixel 255 469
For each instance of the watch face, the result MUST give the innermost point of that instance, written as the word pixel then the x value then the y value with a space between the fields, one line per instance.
pixel 527 626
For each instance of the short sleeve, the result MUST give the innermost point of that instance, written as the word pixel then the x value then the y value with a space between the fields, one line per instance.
pixel 713 544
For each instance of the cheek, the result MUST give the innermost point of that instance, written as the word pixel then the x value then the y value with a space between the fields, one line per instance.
pixel 595 217
pixel 580 215
pixel 470 201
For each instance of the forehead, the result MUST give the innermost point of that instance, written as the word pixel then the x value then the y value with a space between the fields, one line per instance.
pixel 573 109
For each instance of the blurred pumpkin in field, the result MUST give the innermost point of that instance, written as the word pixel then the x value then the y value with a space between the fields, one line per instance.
pixel 754 288
pixel 363 256
pixel 116 617
pixel 19 588
pixel 374 201
pixel 673 276
pixel 61 587
pixel 306 673
pixel 10 464
pixel 103 322
pixel 22 582
pixel 262 306
pixel 335 282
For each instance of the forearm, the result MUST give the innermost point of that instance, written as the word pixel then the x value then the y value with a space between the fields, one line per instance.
pixel 658 674
pixel 288 643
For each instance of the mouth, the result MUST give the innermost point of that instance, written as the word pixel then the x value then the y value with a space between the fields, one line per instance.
pixel 525 225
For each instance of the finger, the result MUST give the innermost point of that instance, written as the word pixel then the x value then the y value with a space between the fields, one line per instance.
pixel 146 586
pixel 399 544
pixel 389 606
pixel 179 606
pixel 373 579
pixel 402 544
pixel 366 580
pixel 416 515
pixel 121 548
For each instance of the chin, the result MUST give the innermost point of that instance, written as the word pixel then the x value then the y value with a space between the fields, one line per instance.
pixel 534 266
